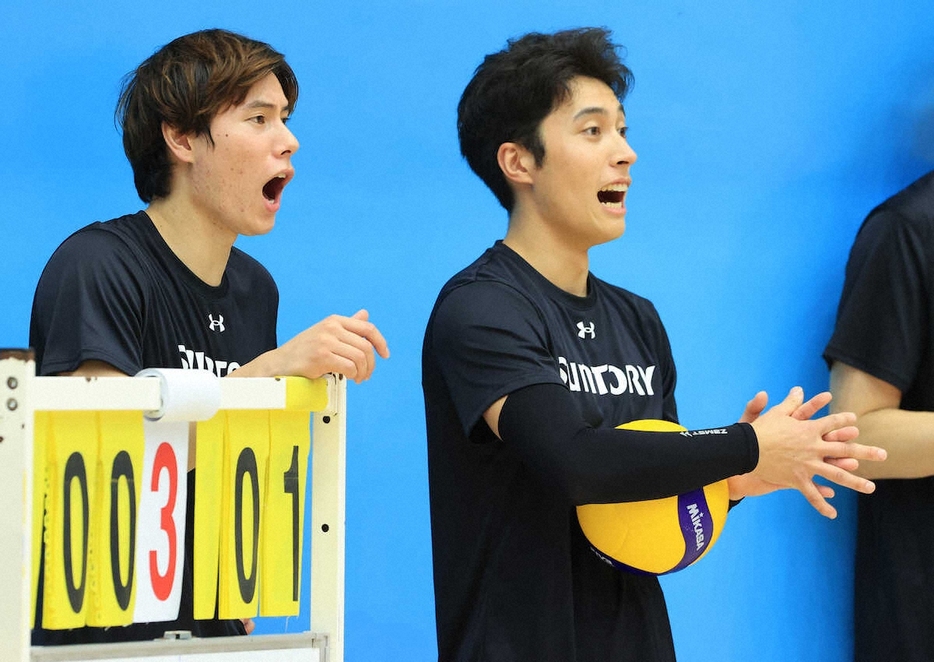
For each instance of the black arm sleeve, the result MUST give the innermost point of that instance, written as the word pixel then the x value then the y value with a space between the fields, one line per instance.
pixel 610 465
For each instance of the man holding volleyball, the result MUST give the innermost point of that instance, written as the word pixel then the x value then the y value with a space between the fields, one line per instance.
pixel 530 361
pixel 204 128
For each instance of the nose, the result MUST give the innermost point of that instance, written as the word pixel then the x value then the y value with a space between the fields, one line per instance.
pixel 290 142
pixel 625 153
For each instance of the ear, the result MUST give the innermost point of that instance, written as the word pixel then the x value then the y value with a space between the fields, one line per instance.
pixel 179 144
pixel 516 162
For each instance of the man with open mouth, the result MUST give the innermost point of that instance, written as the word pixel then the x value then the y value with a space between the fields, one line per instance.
pixel 530 362
pixel 204 128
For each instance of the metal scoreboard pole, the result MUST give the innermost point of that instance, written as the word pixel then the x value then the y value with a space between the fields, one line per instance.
pixel 16 485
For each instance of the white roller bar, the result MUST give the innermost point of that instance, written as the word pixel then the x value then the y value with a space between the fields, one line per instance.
pixel 145 394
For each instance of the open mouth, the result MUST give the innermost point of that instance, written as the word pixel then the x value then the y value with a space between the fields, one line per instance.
pixel 612 196
pixel 273 188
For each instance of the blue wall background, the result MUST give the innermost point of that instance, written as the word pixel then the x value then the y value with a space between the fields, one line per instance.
pixel 765 134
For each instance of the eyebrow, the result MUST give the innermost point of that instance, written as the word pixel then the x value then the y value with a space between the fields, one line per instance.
pixel 259 103
pixel 593 110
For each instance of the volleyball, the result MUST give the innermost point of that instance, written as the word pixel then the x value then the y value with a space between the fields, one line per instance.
pixel 657 536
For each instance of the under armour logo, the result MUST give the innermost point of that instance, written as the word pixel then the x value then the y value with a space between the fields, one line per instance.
pixel 217 324
pixel 584 329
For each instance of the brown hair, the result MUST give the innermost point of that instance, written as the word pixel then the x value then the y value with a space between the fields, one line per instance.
pixel 185 84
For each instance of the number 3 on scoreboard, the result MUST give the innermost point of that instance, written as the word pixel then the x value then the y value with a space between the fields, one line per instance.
pixel 162 582
pixel 161 524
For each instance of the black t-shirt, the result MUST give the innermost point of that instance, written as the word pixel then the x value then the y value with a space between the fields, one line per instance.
pixel 115 292
pixel 514 576
pixel 884 328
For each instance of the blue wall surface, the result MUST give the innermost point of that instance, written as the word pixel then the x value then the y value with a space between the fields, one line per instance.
pixel 765 133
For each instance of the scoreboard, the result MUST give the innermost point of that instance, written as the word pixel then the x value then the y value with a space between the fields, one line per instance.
pixel 105 520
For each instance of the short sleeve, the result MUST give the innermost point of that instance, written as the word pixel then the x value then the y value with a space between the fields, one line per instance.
pixel 88 306
pixel 669 372
pixel 489 340
pixel 882 316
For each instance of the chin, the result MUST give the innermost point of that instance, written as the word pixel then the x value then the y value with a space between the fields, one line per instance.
pixel 261 227
pixel 615 232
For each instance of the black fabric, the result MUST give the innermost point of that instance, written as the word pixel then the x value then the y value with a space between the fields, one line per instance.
pixel 587 465
pixel 514 578
pixel 497 332
pixel 884 328
pixel 115 292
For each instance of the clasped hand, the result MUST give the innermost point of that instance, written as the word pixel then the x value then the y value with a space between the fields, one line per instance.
pixel 794 448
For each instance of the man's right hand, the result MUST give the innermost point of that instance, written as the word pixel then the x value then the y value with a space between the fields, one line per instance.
pixel 793 448
pixel 338 344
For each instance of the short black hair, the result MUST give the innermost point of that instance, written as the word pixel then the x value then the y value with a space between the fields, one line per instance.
pixel 512 91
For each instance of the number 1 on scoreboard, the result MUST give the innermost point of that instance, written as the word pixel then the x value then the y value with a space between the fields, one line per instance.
pixel 281 538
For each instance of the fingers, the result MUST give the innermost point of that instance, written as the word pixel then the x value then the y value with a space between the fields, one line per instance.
pixel 843 459
pixel 792 401
pixel 848 433
pixel 363 327
pixel 817 495
pixel 836 421
pixel 846 463
pixel 352 361
pixel 839 470
pixel 754 407
pixel 856 451
pixel 812 406
pixel 354 340
pixel 337 344
pixel 357 349
pixel 846 479
pixel 813 494
pixel 361 340
pixel 821 447
pixel 249 625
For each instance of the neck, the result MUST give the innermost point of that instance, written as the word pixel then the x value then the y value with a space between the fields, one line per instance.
pixel 561 262
pixel 200 243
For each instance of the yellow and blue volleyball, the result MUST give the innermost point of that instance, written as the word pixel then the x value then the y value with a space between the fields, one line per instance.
pixel 657 536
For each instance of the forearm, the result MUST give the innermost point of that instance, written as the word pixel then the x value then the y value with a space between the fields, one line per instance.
pixel 907 436
pixel 267 364
pixel 608 465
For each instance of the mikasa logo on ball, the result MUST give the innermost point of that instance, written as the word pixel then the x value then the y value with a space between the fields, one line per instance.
pixel 696 515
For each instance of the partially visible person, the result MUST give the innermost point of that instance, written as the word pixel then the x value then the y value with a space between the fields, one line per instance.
pixel 530 361
pixel 204 128
pixel 881 359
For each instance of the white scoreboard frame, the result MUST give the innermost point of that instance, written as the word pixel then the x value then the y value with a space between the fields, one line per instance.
pixel 22 393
